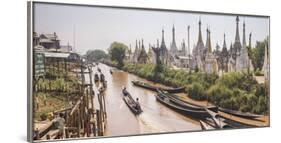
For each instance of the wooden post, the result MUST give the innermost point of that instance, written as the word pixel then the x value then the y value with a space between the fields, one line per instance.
pixel 94 129
pixel 91 87
pixel 105 115
pixel 52 66
pixel 100 103
pixel 58 66
pixel 66 133
pixel 87 98
pixel 98 122
pixel 65 68
pixel 79 123
pixel 101 124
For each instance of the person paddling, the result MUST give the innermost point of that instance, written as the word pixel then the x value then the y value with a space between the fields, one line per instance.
pixel 124 90
pixel 137 103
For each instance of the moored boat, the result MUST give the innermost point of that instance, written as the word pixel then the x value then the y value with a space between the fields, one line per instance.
pixel 236 124
pixel 133 105
pixel 198 114
pixel 186 104
pixel 240 114
pixel 216 121
pixel 205 126
pixel 154 88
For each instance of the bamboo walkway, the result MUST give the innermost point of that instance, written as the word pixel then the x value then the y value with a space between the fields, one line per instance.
pixel 82 119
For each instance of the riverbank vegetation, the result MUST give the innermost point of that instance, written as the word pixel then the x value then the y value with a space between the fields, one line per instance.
pixel 238 91
pixel 54 91
pixel 233 90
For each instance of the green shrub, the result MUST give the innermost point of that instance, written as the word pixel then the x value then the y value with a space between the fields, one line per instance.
pixel 239 91
pixel 218 93
pixel 258 73
pixel 43 116
pixel 196 91
pixel 233 90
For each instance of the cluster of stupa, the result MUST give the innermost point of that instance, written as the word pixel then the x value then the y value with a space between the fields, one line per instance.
pixel 203 57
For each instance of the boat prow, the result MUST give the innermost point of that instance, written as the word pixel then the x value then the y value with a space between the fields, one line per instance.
pixel 205 126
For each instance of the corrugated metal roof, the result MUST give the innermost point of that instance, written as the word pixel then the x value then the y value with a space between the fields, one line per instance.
pixel 56 55
pixel 46 41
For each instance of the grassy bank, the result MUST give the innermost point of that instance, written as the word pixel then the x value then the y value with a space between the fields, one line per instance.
pixel 47 103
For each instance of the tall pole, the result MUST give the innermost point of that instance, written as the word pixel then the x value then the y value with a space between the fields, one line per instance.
pixel 74 42
pixel 188 50
pixel 188 46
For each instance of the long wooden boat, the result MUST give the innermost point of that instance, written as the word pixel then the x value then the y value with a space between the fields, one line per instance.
pixel 205 126
pixel 235 124
pixel 131 103
pixel 154 88
pixel 240 114
pixel 199 114
pixel 175 99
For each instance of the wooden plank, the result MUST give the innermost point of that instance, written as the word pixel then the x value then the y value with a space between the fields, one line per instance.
pixel 62 110
pixel 43 129
pixel 75 107
pixel 264 121
pixel 52 135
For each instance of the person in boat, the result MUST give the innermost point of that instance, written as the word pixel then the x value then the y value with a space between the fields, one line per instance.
pixel 102 77
pixel 124 90
pixel 104 84
pixel 137 104
pixel 96 77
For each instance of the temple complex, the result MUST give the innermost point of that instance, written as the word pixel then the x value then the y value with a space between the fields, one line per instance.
pixel 203 58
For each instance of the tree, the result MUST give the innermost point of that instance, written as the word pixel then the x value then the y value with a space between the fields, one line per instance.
pixel 95 55
pixel 117 53
pixel 257 54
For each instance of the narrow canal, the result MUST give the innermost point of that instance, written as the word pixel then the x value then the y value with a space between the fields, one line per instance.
pixel 156 118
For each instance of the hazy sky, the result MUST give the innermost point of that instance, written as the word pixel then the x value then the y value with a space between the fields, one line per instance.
pixel 97 28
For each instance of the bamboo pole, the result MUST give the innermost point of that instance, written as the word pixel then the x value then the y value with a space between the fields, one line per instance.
pixel 104 106
pixel 79 123
pixel 91 87
pixel 98 122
